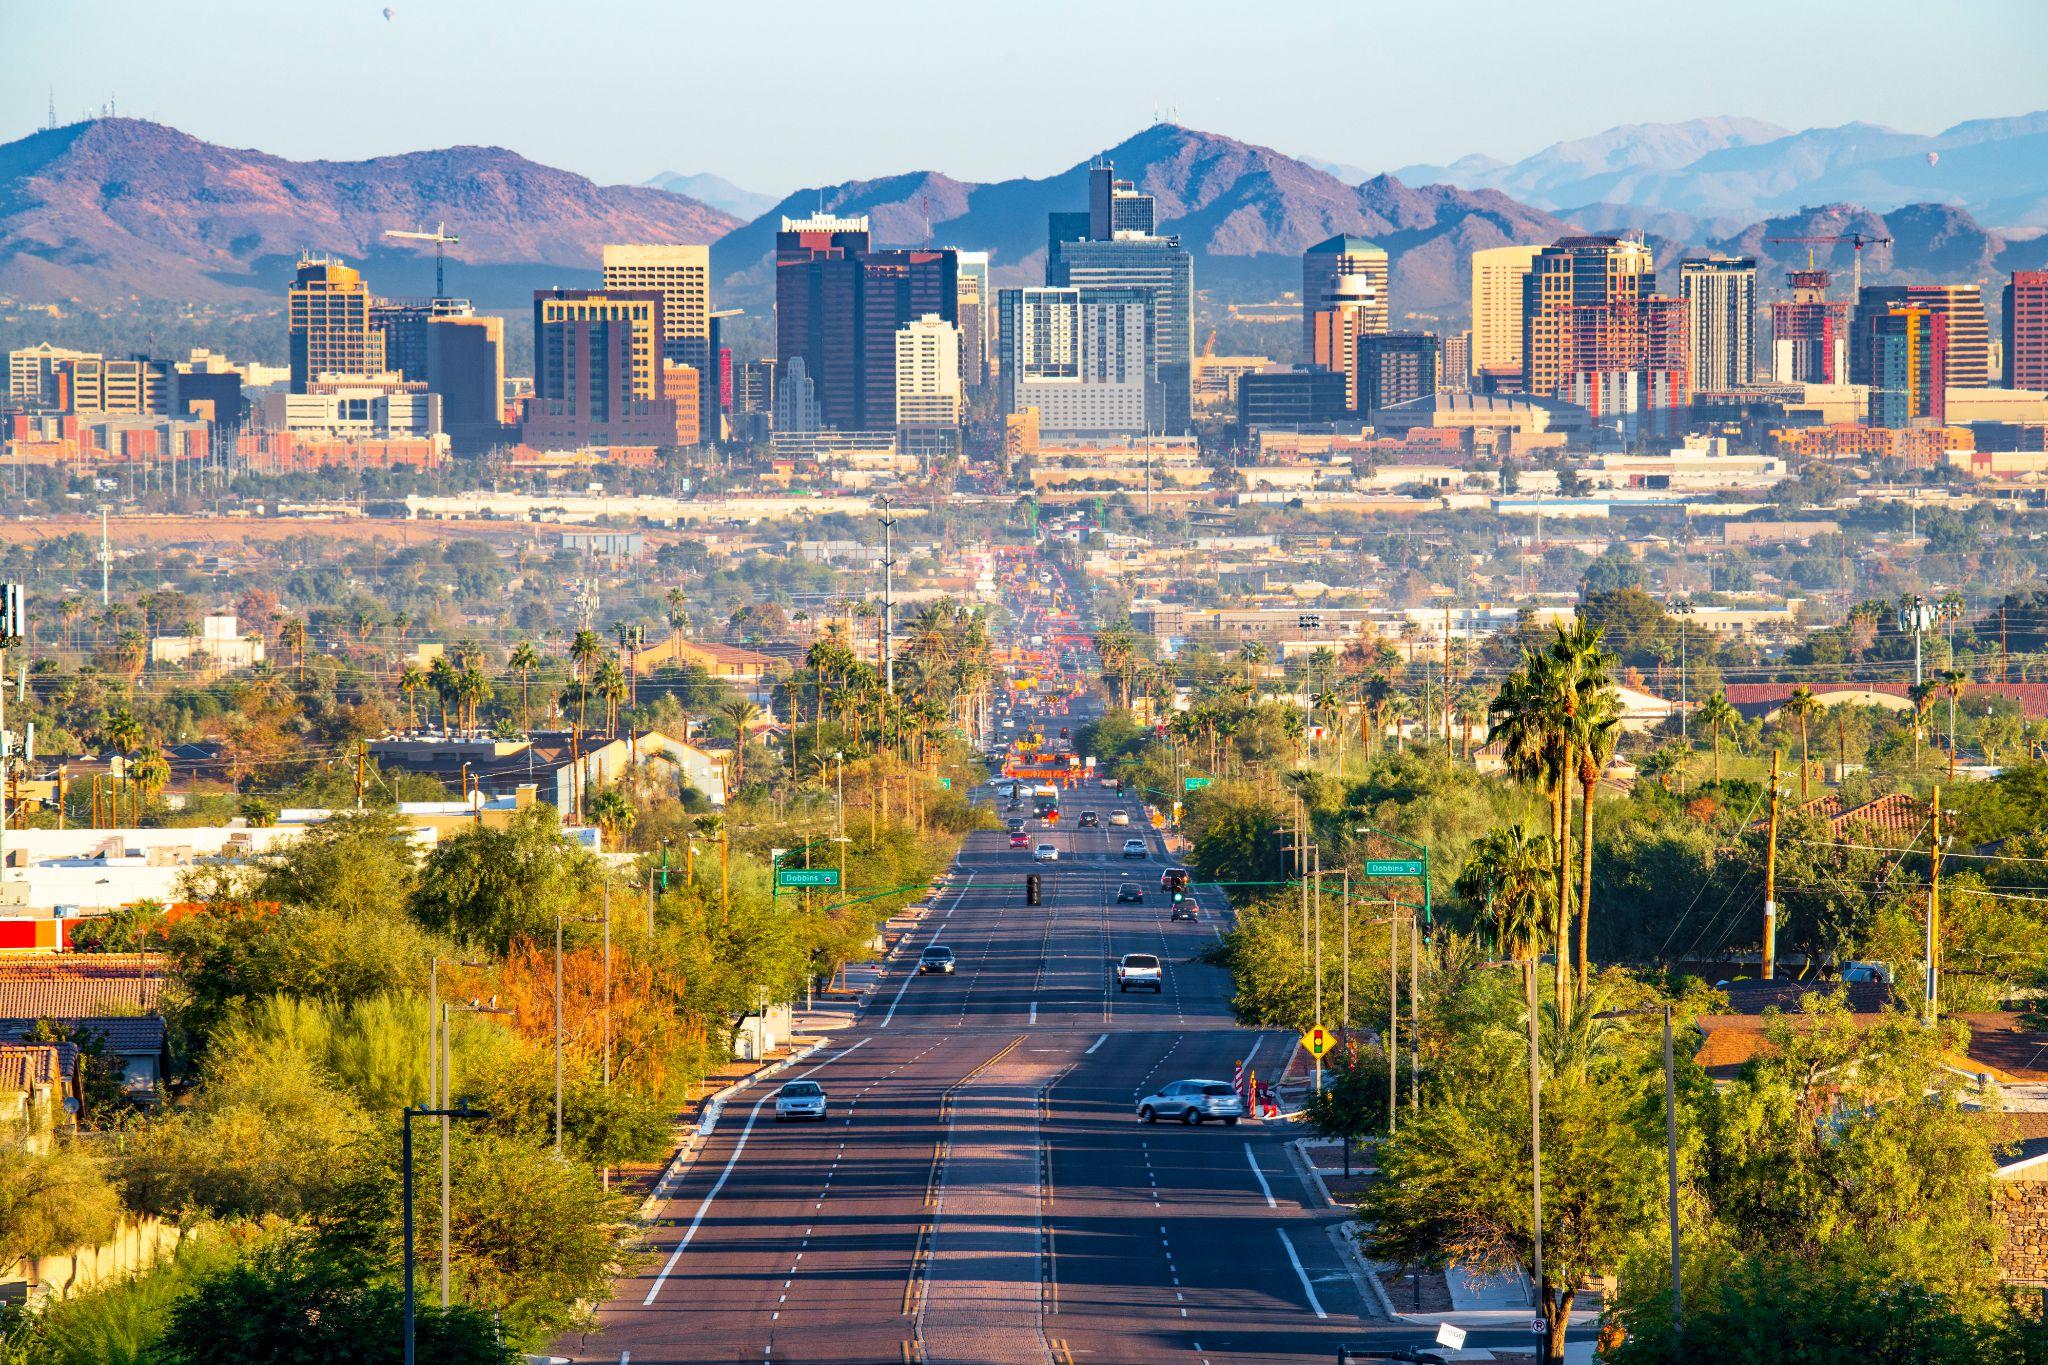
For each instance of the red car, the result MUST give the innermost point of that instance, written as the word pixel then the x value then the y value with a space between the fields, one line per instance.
pixel 1020 841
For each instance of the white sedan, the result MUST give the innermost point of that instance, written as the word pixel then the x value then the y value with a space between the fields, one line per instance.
pixel 1119 817
pixel 800 1100
pixel 1046 853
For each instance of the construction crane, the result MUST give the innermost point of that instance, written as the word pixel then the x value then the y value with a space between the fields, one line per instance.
pixel 442 239
pixel 1858 240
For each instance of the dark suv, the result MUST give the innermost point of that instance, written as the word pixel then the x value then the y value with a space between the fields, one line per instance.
pixel 1089 819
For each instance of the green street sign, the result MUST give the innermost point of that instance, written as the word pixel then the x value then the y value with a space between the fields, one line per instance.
pixel 1393 867
pixel 1193 784
pixel 807 876
pixel 945 784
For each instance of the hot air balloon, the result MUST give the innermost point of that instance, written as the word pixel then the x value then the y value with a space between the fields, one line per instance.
pixel 1933 158
pixel 388 12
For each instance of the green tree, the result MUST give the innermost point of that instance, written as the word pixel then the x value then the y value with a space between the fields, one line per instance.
pixel 53 1201
pixel 491 886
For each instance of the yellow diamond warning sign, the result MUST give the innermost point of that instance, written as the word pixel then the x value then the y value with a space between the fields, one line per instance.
pixel 1318 1040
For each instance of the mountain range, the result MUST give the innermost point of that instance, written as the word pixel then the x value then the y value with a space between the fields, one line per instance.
pixel 1725 168
pixel 716 191
pixel 121 209
pixel 116 208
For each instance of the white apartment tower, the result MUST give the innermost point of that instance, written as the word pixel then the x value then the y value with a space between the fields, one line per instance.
pixel 928 392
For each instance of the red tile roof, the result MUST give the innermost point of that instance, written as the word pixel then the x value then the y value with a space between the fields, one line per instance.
pixel 1752 698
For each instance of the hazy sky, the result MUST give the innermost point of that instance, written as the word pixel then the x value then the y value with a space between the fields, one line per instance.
pixel 778 95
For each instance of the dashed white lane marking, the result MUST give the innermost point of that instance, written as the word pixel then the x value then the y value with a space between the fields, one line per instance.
pixel 911 975
pixel 726 1174
pixel 1034 1011
pixel 1302 1275
pixel 1096 1044
pixel 1264 1188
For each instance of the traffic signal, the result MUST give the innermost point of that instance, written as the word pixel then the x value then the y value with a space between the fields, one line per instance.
pixel 1031 892
pixel 1178 895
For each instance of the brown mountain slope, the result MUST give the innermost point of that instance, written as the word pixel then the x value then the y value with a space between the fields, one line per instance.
pixel 114 208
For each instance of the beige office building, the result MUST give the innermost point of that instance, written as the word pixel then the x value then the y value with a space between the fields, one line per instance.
pixel 328 323
pixel 1497 274
pixel 928 389
pixel 682 276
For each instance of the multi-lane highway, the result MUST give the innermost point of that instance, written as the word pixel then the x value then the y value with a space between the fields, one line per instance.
pixel 982 1190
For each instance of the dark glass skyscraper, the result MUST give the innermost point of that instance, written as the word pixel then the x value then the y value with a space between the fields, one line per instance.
pixel 838 306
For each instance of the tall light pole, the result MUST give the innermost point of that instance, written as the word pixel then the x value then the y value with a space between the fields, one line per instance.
pixel 447 1083
pixel 411 1112
pixel 888 595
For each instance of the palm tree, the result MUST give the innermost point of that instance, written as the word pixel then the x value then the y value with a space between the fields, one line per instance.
pixel 293 637
pixel 1953 682
pixel 676 607
pixel 121 731
pixel 1251 654
pixel 410 682
pixel 1509 874
pixel 445 682
pixel 150 771
pixel 525 658
pixel 473 689
pixel 1594 725
pixel 1378 693
pixel 610 683
pixel 1532 714
pixel 1719 717
pixel 1661 762
pixel 1922 695
pixel 614 814
pixel 739 714
pixel 1803 706
pixel 585 648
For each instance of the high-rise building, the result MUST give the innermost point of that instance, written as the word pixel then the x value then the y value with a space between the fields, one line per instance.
pixel 328 323
pixel 597 377
pixel 1116 206
pixel 466 368
pixel 796 398
pixel 1627 365
pixel 928 386
pixel 94 385
pixel 1907 349
pixel 1115 246
pixel 1720 322
pixel 32 372
pixel 1349 309
pixel 683 385
pixel 977 316
pixel 403 327
pixel 839 304
pixel 682 276
pixel 1961 308
pixel 1559 335
pixel 1349 272
pixel 1078 357
pixel 2026 330
pixel 1809 333
pixel 1497 274
pixel 1395 367
pixel 1455 374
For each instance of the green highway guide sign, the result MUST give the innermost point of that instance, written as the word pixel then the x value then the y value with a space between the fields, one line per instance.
pixel 1193 784
pixel 1393 867
pixel 807 876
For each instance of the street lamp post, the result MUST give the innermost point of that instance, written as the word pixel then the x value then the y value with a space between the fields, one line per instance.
pixel 449 1008
pixel 1670 1152
pixel 411 1112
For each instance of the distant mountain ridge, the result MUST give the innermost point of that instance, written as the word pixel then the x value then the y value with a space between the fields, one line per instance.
pixel 1721 167
pixel 117 207
pixel 1241 209
pixel 716 191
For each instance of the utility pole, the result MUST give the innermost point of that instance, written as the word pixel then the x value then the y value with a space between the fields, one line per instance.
pixel 1934 912
pixel 1771 881
pixel 362 753
pixel 1536 1145
pixel 1393 1016
pixel 888 595
pixel 106 555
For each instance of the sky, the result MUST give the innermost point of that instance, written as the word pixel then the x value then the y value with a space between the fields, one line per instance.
pixel 783 94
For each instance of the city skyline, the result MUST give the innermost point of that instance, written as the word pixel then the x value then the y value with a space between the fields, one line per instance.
pixel 1970 62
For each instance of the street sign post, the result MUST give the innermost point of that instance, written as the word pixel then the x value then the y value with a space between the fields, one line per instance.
pixel 806 876
pixel 1393 867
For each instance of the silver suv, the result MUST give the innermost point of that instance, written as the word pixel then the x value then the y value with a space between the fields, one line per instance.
pixel 1194 1102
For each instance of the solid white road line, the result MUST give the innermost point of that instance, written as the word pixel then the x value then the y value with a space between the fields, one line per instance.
pixel 911 976
pixel 1096 1044
pixel 1034 1011
pixel 1301 1274
pixel 1267 1190
pixel 726 1174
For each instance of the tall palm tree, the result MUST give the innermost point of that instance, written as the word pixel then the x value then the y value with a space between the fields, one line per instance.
pixel 472 690
pixel 1953 681
pixel 1509 874
pixel 411 681
pixel 585 648
pixel 446 682
pixel 676 607
pixel 1378 694
pixel 293 637
pixel 610 683
pixel 1251 654
pixel 1594 723
pixel 121 731
pixel 614 814
pixel 151 772
pixel 1532 716
pixel 525 658
pixel 1803 706
pixel 1719 718
pixel 1921 695
pixel 739 714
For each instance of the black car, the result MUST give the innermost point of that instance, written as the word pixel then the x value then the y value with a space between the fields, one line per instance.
pixel 1015 826
pixel 1130 893
pixel 1089 819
